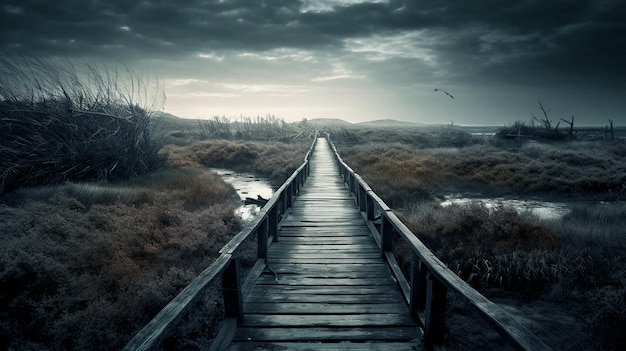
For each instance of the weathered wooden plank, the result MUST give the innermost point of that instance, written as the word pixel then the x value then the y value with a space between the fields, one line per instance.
pixel 323 232
pixel 329 255
pixel 326 346
pixel 301 281
pixel 321 240
pixel 353 244
pixel 328 334
pixel 324 308
pixel 325 290
pixel 340 320
pixel 318 260
pixel 312 267
pixel 282 273
pixel 330 250
pixel 345 299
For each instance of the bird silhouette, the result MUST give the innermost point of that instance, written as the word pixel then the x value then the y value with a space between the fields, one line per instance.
pixel 445 92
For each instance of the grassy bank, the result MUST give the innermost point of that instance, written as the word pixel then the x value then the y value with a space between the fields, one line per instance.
pixel 577 259
pixel 274 160
pixel 85 266
pixel 571 169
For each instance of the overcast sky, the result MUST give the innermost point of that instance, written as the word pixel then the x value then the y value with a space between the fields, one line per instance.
pixel 349 59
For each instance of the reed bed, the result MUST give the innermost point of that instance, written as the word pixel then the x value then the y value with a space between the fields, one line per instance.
pixel 60 121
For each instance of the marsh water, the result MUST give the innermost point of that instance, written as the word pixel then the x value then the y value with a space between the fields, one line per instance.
pixel 247 185
pixel 538 207
pixel 250 185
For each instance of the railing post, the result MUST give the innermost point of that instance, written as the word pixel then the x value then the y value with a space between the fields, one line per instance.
pixel 282 205
pixel 435 319
pixel 262 233
pixel 418 287
pixel 362 198
pixel 231 288
pixel 299 182
pixel 287 198
pixel 370 208
pixel 272 216
pixel 386 236
pixel 352 182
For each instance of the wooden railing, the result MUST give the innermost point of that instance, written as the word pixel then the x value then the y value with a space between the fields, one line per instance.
pixel 426 289
pixel 226 266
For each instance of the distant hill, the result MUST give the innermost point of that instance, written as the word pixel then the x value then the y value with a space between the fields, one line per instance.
pixel 329 122
pixel 390 123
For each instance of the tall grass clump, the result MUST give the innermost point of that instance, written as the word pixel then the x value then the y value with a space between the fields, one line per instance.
pixel 60 121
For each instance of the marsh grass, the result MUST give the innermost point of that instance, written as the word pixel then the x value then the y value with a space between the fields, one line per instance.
pixel 61 121
pixel 593 169
pixel 275 160
pixel 579 257
pixel 84 266
pixel 268 128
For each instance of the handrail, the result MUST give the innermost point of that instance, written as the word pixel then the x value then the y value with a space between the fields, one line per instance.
pixel 226 265
pixel 430 278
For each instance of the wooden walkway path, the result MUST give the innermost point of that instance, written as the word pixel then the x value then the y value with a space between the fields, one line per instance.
pixel 327 286
pixel 327 283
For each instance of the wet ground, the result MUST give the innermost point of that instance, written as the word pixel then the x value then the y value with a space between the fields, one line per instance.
pixel 247 185
pixel 541 208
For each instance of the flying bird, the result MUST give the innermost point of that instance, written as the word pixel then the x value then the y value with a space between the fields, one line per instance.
pixel 445 92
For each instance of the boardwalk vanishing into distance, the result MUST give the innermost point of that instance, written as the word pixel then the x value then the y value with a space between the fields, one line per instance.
pixel 326 277
pixel 327 282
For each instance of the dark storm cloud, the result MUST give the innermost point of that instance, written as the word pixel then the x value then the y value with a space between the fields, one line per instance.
pixel 514 41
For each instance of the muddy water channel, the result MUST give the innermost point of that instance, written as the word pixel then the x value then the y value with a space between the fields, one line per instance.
pixel 540 208
pixel 247 185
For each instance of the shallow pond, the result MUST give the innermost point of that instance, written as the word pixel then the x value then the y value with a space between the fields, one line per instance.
pixel 247 185
pixel 540 208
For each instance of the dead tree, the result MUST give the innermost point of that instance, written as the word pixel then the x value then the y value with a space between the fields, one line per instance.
pixel 571 127
pixel 545 122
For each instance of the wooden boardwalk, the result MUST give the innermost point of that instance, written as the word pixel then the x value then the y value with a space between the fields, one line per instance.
pixel 327 286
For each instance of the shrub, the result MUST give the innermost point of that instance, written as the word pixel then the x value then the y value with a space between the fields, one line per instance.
pixel 58 124
pixel 87 277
